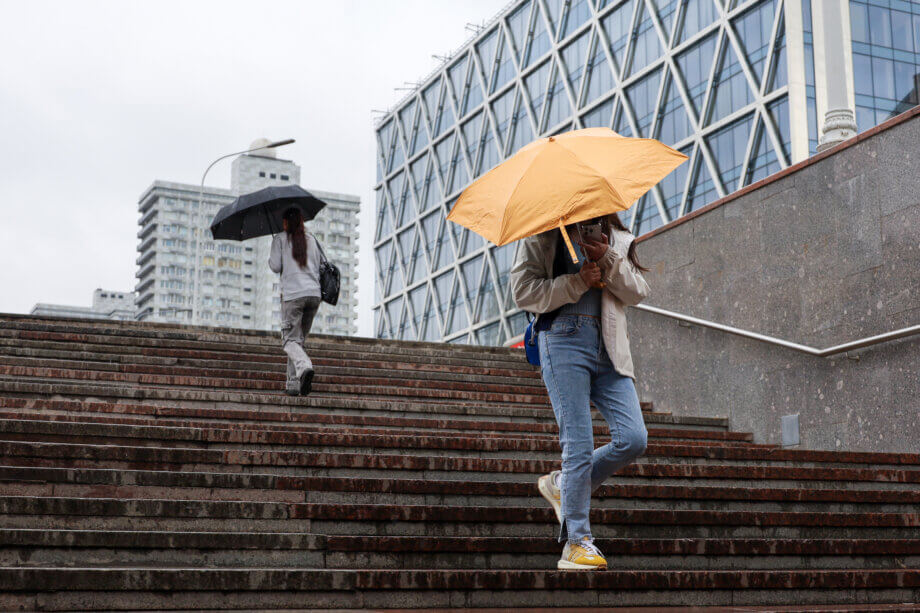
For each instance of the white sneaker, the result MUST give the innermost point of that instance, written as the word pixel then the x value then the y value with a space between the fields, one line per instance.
pixel 582 556
pixel 549 488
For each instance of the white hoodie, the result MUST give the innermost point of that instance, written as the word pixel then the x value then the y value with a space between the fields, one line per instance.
pixel 296 282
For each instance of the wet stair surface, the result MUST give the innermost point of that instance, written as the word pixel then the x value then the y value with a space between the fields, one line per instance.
pixel 159 467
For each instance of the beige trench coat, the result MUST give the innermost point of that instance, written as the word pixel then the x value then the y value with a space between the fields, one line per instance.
pixel 536 291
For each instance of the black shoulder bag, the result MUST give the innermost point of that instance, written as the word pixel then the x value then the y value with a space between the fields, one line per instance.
pixel 330 279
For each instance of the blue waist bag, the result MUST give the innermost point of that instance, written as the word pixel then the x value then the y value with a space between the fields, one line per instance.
pixel 530 342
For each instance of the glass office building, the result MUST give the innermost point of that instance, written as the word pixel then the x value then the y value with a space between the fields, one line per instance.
pixel 736 86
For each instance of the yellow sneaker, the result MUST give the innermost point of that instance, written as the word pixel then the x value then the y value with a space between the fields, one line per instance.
pixel 549 488
pixel 582 556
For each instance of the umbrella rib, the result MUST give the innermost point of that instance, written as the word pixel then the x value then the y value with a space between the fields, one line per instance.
pixel 501 229
pixel 599 173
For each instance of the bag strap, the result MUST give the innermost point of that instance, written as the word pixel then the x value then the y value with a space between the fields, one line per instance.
pixel 322 254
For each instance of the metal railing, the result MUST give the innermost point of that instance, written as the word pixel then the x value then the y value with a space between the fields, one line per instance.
pixel 821 353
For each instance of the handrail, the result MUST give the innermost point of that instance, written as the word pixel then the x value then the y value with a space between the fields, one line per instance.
pixel 821 353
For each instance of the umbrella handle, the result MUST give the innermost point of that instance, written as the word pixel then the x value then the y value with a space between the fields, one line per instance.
pixel 568 242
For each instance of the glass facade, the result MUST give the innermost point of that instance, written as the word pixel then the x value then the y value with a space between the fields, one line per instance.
pixel 886 58
pixel 708 77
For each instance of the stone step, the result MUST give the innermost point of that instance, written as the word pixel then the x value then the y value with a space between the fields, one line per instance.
pixel 246 437
pixel 432 520
pixel 281 447
pixel 616 493
pixel 271 370
pixel 335 441
pixel 114 549
pixel 175 400
pixel 380 388
pixel 328 463
pixel 216 339
pixel 354 425
pixel 333 353
pixel 317 402
pixel 199 352
pixel 335 375
pixel 256 588
pixel 507 470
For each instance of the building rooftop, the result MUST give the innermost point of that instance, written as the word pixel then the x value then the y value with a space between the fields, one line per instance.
pixel 447 59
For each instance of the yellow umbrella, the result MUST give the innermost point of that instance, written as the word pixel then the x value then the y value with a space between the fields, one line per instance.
pixel 560 180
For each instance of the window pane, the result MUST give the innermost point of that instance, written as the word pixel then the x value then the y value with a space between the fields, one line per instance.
pixel 674 125
pixel 728 146
pixel 505 70
pixel 672 186
pixel 600 78
pixel 754 29
pixel 521 132
pixel 488 335
pixel 646 45
pixel 578 14
pixel 540 42
pixel 517 25
pixel 779 111
pixel 697 15
pixel 731 91
pixel 517 323
pixel 487 305
pixel 883 77
pixel 859 22
pixel 696 65
pixel 901 31
pixel 862 74
pixel 617 25
pixel 600 117
pixel 763 159
pixel 642 97
pixel 557 101
pixel 574 56
pixel 880 26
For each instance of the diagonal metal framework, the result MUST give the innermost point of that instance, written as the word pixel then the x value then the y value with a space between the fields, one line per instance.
pixel 705 76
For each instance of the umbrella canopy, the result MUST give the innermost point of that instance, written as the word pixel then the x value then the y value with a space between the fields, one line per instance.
pixel 563 179
pixel 259 213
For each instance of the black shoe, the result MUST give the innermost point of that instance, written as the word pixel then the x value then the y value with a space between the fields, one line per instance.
pixel 306 382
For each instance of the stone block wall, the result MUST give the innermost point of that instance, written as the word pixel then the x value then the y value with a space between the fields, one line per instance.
pixel 825 252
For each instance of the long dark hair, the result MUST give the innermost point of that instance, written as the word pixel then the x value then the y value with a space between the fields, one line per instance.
pixel 296 235
pixel 617 223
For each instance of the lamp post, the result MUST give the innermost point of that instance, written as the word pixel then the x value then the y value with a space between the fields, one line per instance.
pixel 197 229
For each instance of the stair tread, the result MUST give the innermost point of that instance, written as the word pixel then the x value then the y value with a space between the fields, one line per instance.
pixel 161 466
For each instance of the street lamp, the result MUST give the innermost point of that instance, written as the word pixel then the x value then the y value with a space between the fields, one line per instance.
pixel 279 143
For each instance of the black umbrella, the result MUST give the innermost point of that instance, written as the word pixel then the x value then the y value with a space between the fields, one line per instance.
pixel 259 213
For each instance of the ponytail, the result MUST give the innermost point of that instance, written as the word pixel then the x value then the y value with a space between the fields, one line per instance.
pixel 296 235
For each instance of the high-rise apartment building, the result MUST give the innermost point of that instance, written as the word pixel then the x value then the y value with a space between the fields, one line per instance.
pixel 236 286
pixel 739 86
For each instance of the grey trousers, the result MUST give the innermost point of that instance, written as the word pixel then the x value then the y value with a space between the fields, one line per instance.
pixel 296 320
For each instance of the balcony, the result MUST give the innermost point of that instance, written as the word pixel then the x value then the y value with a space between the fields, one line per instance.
pixel 146 270
pixel 144 257
pixel 147 244
pixel 145 283
pixel 145 219
pixel 147 230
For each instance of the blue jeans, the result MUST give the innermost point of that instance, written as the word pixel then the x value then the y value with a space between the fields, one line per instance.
pixel 577 370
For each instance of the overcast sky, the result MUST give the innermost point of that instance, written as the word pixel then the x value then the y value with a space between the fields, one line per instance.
pixel 100 98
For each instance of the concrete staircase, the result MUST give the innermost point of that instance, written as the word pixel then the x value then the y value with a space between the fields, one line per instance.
pixel 158 467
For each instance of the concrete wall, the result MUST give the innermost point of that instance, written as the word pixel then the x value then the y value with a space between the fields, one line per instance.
pixel 823 253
